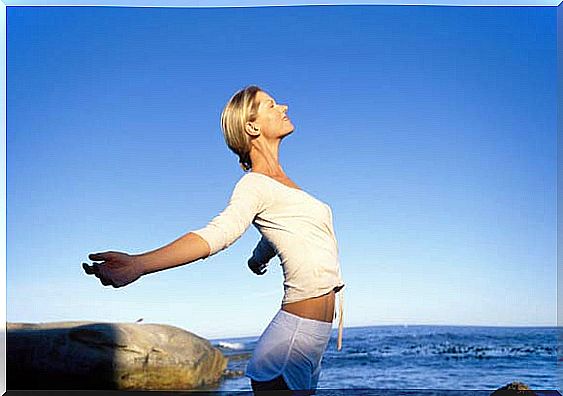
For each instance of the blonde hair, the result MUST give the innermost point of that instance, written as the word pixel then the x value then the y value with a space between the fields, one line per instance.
pixel 241 108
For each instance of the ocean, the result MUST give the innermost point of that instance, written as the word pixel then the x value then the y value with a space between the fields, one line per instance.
pixel 424 357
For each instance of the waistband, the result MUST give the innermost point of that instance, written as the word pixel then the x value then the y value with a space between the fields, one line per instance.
pixel 305 325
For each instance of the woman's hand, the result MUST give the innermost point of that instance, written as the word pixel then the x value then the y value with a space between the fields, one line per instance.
pixel 116 269
pixel 256 267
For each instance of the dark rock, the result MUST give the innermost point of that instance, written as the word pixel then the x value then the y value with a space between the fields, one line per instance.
pixel 120 356
pixel 227 373
pixel 514 389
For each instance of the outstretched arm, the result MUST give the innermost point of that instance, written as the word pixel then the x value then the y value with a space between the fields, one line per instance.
pixel 186 249
pixel 119 269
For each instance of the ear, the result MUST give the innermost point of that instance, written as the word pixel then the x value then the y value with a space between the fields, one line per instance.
pixel 252 128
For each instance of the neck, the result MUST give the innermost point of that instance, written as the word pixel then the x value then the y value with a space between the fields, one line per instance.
pixel 265 157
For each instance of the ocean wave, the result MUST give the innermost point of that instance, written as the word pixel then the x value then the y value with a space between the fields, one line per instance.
pixel 457 350
pixel 236 346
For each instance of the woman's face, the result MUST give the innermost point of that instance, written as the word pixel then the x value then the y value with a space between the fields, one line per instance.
pixel 272 120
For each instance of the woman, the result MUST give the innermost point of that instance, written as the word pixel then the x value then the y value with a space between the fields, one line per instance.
pixel 294 225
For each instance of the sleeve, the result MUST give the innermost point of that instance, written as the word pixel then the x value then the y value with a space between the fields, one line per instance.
pixel 264 251
pixel 247 200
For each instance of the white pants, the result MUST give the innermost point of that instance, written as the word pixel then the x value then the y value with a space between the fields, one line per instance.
pixel 293 347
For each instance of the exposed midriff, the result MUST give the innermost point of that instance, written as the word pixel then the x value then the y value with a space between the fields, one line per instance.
pixel 316 308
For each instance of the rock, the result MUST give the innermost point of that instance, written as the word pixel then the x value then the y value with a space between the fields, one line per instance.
pixel 239 356
pixel 119 356
pixel 228 373
pixel 514 389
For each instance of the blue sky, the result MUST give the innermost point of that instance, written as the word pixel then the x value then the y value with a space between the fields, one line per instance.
pixel 431 132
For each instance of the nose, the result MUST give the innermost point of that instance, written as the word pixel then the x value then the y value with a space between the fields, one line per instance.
pixel 284 108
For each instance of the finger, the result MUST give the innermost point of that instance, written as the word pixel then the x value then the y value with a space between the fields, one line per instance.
pixel 97 256
pixel 105 282
pixel 95 268
pixel 89 270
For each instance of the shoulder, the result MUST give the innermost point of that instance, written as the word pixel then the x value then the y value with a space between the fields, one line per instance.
pixel 252 190
pixel 250 180
pixel 251 183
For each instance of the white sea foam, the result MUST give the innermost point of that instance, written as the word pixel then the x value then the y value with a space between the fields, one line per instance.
pixel 231 345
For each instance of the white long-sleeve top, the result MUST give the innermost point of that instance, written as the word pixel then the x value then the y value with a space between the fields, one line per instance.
pixel 294 225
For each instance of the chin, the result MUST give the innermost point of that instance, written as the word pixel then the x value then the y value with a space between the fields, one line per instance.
pixel 287 133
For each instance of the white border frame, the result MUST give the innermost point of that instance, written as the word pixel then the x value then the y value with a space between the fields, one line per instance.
pixel 212 4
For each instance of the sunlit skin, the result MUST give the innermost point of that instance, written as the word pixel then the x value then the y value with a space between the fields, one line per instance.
pixel 272 124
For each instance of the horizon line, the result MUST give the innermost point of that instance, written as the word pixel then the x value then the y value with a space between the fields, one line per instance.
pixel 399 325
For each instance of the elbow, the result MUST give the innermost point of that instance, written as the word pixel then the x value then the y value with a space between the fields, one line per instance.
pixel 202 248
